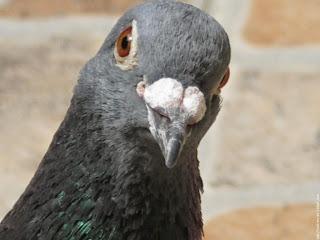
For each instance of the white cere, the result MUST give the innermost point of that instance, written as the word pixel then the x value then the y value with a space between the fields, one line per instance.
pixel 194 104
pixel 167 95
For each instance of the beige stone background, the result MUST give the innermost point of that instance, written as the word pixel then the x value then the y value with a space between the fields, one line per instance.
pixel 260 161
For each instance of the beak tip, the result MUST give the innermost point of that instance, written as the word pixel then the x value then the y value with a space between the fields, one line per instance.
pixel 173 152
pixel 170 163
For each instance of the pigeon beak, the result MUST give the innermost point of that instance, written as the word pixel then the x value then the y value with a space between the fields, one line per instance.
pixel 171 108
pixel 173 148
pixel 169 134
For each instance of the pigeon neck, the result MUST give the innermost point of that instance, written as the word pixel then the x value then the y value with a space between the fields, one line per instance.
pixel 82 191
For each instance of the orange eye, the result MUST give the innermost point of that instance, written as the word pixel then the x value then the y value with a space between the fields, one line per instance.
pixel 123 43
pixel 225 79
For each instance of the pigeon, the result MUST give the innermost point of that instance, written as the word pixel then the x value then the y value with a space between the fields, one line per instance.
pixel 123 164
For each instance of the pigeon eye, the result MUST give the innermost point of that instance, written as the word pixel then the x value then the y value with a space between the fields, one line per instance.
pixel 126 48
pixel 123 44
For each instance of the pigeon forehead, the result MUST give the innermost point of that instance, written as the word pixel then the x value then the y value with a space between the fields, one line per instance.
pixel 171 21
pixel 178 38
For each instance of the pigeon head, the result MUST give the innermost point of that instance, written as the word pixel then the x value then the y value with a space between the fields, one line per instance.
pixel 170 61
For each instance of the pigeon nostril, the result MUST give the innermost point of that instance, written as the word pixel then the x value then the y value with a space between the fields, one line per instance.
pixel 162 114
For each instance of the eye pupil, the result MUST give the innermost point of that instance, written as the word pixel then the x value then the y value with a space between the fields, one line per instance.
pixel 125 42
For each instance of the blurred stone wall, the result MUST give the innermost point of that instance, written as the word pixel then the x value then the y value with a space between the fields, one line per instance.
pixel 264 149
pixel 45 8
